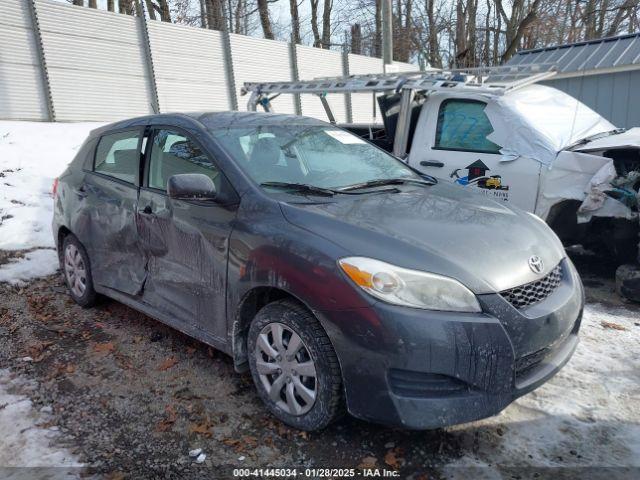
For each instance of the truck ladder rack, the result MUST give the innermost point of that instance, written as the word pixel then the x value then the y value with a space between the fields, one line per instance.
pixel 485 80
pixel 488 80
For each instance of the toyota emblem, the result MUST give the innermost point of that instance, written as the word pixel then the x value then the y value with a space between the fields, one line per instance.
pixel 535 264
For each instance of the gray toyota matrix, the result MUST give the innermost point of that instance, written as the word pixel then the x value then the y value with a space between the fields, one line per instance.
pixel 339 276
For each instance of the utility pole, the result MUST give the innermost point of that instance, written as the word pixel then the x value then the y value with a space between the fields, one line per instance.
pixel 387 33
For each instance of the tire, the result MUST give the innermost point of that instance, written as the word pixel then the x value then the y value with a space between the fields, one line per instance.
pixel 291 402
pixel 76 269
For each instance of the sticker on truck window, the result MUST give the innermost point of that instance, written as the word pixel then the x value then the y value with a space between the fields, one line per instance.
pixel 345 138
pixel 477 176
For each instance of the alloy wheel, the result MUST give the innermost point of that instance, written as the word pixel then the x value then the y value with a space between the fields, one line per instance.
pixel 75 270
pixel 286 369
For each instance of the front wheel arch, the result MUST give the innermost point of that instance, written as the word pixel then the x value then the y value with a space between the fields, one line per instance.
pixel 252 302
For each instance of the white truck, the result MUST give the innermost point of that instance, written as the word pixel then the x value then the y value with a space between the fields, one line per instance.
pixel 497 132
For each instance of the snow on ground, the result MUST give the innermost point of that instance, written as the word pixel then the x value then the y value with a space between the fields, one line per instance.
pixel 25 436
pixel 586 416
pixel 36 263
pixel 32 154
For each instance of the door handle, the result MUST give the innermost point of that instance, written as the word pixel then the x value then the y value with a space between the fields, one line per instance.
pixel 81 191
pixel 146 210
pixel 431 163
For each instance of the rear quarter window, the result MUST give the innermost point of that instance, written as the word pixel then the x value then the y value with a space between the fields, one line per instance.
pixel 118 155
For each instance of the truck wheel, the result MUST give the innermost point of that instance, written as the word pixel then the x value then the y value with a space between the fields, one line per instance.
pixel 625 250
pixel 628 282
pixel 77 272
pixel 294 366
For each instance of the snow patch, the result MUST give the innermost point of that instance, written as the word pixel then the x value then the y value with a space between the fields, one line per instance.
pixel 37 263
pixel 32 154
pixel 23 442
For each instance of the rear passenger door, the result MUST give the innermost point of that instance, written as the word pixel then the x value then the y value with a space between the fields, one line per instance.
pixel 105 223
pixel 186 242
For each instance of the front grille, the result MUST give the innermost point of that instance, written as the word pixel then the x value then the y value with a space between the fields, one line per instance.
pixel 534 292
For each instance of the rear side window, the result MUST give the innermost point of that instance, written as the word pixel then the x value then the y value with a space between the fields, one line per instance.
pixel 173 153
pixel 463 125
pixel 118 156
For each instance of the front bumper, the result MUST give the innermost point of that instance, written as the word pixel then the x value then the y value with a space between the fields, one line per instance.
pixel 425 369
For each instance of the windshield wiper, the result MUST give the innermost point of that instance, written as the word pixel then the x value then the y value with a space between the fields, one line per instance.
pixel 596 136
pixel 300 188
pixel 385 181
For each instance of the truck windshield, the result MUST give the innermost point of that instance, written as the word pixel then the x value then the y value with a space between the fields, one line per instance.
pixel 314 155
pixel 561 118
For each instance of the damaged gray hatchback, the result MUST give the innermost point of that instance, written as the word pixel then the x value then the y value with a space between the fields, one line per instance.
pixel 340 277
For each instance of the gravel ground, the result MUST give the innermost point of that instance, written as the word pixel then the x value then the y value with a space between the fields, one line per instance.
pixel 132 397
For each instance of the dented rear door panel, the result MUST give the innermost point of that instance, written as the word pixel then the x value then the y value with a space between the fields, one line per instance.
pixel 105 224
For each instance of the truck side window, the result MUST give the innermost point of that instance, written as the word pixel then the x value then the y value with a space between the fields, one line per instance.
pixel 463 125
pixel 118 156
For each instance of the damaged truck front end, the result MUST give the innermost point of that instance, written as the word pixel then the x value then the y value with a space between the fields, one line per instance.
pixel 589 185
pixel 612 204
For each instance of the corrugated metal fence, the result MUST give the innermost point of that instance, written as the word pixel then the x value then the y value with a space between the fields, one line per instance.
pixel 67 63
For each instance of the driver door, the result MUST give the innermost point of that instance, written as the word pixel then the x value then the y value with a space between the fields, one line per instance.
pixel 186 241
pixel 456 149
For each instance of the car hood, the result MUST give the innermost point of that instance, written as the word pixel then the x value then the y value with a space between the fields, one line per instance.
pixel 627 139
pixel 440 229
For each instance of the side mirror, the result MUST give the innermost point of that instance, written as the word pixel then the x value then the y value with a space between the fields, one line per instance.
pixel 191 186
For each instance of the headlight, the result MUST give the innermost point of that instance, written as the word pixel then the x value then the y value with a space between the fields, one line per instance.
pixel 410 288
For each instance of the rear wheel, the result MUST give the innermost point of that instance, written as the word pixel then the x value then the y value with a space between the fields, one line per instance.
pixel 294 366
pixel 77 272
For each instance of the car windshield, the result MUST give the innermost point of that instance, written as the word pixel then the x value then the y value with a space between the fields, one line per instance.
pixel 313 155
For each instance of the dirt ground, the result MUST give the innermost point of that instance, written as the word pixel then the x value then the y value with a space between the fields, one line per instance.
pixel 132 397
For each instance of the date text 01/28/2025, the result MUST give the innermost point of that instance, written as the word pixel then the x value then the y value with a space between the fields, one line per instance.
pixel 315 472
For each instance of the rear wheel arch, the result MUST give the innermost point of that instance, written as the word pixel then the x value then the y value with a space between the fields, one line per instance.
pixel 63 232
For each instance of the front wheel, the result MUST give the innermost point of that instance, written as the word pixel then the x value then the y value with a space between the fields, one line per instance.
pixel 294 366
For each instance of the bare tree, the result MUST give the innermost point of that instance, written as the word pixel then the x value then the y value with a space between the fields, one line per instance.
pixel 356 38
pixel 127 7
pixel 317 41
pixel 523 14
pixel 441 32
pixel 163 9
pixel 377 39
pixel 265 20
pixel 326 23
pixel 434 56
pixel 151 10
pixel 295 21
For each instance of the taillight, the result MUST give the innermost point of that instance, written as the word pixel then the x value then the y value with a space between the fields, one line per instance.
pixel 55 187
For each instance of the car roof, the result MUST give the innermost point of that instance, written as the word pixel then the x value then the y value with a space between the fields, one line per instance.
pixel 212 120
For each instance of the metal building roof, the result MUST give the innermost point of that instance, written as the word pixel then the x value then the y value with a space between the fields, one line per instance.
pixel 605 53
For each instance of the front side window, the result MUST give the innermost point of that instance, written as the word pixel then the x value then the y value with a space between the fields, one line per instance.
pixel 463 125
pixel 172 153
pixel 118 156
pixel 317 155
